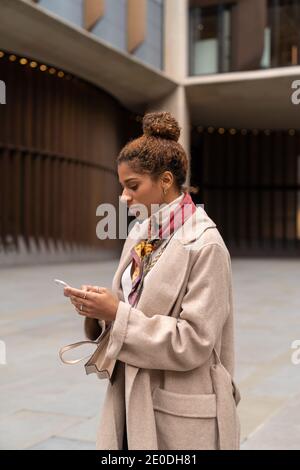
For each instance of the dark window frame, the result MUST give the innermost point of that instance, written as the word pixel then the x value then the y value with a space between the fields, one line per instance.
pixel 195 17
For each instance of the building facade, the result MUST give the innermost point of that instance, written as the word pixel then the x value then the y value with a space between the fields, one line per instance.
pixel 80 74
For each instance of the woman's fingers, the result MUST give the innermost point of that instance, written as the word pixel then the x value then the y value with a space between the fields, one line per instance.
pixel 86 310
pixel 71 291
pixel 84 313
pixel 88 287
pixel 81 293
pixel 86 304
pixel 87 300
pixel 96 289
pixel 99 289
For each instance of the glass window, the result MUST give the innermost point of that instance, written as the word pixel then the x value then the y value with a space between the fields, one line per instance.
pixel 266 58
pixel 210 39
pixel 282 40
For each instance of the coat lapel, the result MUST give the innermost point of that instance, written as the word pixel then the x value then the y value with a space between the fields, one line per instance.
pixel 174 259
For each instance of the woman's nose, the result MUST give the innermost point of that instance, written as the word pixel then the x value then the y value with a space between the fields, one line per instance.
pixel 124 197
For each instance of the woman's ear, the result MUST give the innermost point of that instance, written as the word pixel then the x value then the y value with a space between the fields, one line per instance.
pixel 167 179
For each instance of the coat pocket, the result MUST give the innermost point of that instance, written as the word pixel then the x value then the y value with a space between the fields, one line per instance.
pixel 185 421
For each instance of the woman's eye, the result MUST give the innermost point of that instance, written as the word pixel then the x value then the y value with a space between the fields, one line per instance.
pixel 133 188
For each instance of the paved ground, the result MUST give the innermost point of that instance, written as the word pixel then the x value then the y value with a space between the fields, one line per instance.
pixel 48 405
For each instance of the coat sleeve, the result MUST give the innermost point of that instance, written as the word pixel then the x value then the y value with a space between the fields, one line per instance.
pixel 183 343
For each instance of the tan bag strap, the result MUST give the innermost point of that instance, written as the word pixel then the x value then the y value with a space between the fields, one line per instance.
pixel 73 346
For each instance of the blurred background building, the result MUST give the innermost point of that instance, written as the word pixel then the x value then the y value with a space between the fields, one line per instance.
pixel 79 76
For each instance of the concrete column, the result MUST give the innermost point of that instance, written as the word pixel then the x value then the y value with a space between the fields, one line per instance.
pixel 176 38
pixel 176 65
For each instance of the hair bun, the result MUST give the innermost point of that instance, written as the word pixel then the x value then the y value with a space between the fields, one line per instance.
pixel 162 125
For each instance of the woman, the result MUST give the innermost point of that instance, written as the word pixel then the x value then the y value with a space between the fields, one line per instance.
pixel 170 310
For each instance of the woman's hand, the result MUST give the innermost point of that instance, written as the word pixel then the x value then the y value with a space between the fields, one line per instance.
pixel 93 302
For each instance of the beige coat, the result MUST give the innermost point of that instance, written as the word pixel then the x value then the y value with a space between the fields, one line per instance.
pixel 165 379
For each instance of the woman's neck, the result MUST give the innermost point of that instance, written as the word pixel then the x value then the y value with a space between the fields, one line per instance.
pixel 171 196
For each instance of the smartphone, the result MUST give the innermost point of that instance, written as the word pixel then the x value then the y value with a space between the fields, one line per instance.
pixel 61 283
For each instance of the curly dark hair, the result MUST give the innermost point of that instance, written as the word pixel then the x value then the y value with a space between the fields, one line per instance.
pixel 158 150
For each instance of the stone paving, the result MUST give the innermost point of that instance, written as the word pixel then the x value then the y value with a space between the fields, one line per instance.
pixel 48 405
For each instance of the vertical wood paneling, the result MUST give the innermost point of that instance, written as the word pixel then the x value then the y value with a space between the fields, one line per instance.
pixel 249 187
pixel 38 200
pixel 62 212
pixel 16 177
pixel 47 199
pixel 55 154
pixel 54 199
pixel 4 196
pixel 27 197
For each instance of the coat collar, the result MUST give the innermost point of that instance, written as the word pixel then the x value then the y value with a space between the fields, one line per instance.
pixel 190 231
pixel 194 226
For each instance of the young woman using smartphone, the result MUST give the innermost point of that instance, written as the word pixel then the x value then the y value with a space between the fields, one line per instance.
pixel 170 311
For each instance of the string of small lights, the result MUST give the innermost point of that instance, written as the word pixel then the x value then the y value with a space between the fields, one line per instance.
pixel 231 131
pixel 34 65
pixel 243 131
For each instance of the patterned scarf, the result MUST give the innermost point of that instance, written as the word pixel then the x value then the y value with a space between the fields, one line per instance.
pixel 177 214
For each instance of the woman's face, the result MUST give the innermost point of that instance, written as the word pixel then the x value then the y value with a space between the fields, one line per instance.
pixel 139 189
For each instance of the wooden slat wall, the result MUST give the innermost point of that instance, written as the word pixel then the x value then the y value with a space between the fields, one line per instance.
pixel 59 139
pixel 249 188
